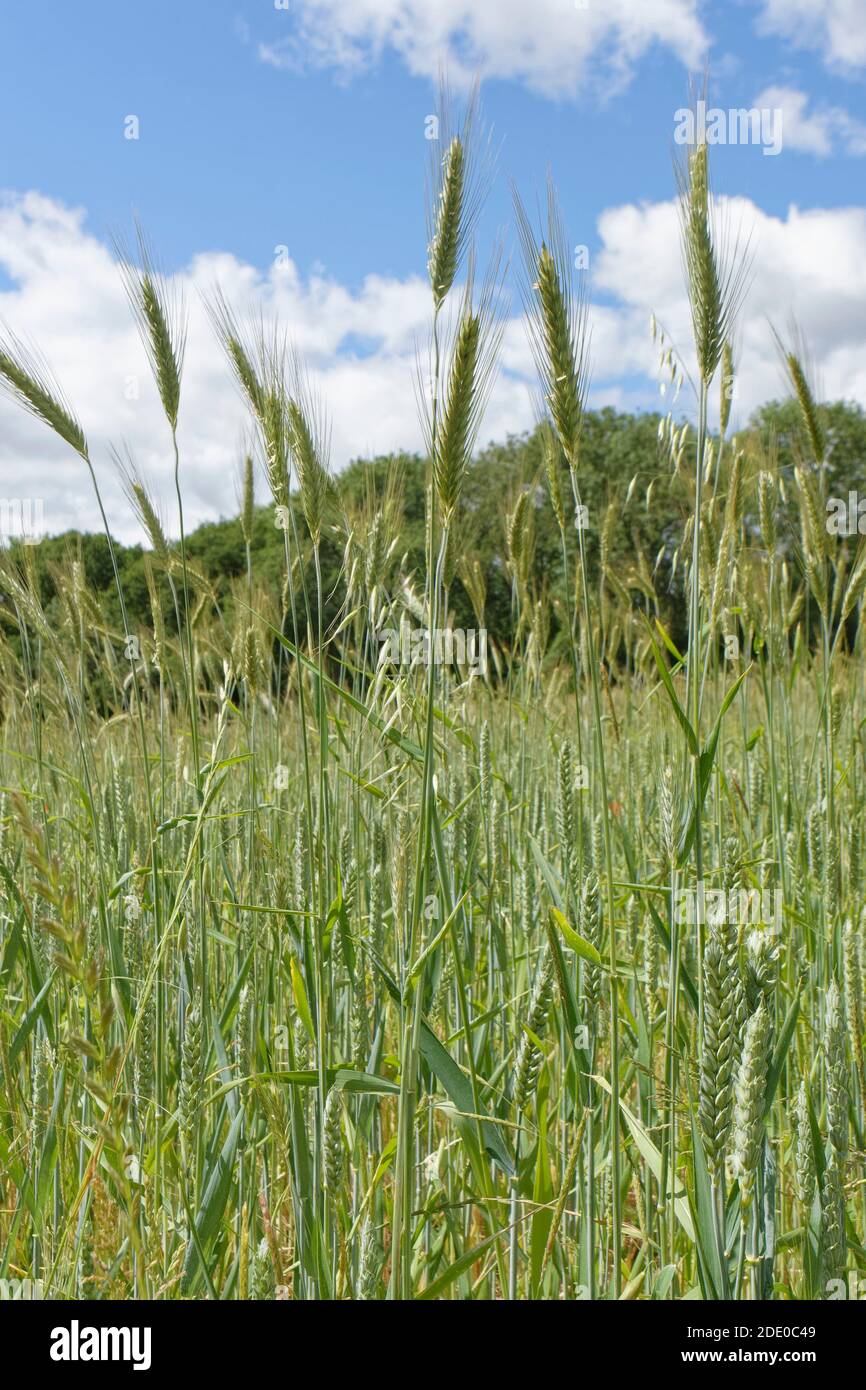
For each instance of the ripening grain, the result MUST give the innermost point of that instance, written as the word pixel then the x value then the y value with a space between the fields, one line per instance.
pixel 332 976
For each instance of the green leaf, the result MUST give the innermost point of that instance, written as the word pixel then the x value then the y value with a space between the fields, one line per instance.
pixel 302 1003
pixel 705 1221
pixel 781 1050
pixel 678 710
pixel 566 990
pixel 669 643
pixel 705 765
pixel 664 1281
pixel 543 1197
pixel 362 1083
pixel 577 943
pixel 28 1023
pixel 654 1159
pixel 460 1266
pixel 454 1081
pixel 415 971
pixel 12 947
pixel 217 1187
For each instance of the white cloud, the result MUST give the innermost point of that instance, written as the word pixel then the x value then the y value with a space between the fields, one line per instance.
pixel 811 264
pixel 836 28
pixel 821 131
pixel 68 299
pixel 66 295
pixel 553 46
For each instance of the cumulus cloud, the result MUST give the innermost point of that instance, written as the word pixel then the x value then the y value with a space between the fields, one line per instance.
pixel 822 130
pixel 809 264
pixel 361 345
pixel 67 297
pixel 551 45
pixel 836 28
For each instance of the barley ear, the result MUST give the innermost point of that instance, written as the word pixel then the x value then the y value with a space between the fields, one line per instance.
pixel 333 1141
pixel 453 441
pixel 717 1053
pixel 159 312
pixel 794 360
pixel 529 1058
pixel 445 247
pixel 312 475
pixel 552 455
pixel 705 293
pixel 714 276
pixel 28 381
pixel 470 376
pixel 248 500
pixel 237 349
pixel 557 324
pixel 836 1073
pixel 767 510
pixel 805 1153
pixel 456 185
pixel 814 536
pixel 749 1108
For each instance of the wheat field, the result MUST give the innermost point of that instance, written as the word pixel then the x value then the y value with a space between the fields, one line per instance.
pixel 337 971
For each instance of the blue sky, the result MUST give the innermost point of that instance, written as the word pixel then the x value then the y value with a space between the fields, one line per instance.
pixel 262 127
pixel 237 154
